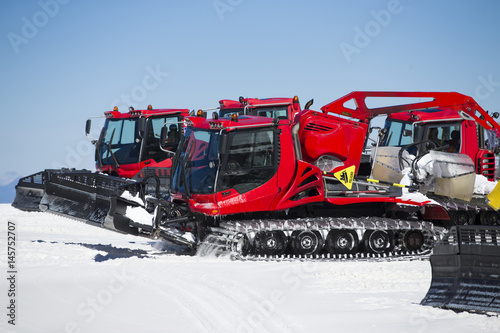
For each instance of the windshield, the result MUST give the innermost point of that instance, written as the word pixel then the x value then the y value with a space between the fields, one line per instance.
pixel 444 134
pixel 227 113
pixel 120 142
pixel 398 134
pixel 270 112
pixel 196 165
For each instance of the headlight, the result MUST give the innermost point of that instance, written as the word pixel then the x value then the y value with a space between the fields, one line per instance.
pixel 328 163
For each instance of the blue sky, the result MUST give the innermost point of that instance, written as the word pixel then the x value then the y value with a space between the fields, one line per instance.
pixel 64 61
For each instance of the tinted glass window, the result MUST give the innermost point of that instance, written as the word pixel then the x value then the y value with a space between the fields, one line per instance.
pixel 275 112
pixel 196 165
pixel 398 134
pixel 153 150
pixel 250 160
pixel 445 135
pixel 121 141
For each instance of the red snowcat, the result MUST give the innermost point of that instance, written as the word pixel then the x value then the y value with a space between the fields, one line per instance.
pixel 279 185
pixel 128 147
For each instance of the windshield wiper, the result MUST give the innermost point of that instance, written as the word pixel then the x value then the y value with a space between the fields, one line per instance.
pixel 115 160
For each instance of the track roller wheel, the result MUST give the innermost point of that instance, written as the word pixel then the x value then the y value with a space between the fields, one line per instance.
pixel 270 242
pixel 463 217
pixel 378 241
pixel 240 244
pixel 413 240
pixel 342 241
pixel 489 217
pixel 306 242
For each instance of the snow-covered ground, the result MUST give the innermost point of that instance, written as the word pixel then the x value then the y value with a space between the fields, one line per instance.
pixel 73 277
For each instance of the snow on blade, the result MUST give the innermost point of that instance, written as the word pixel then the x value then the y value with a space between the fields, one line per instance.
pixel 444 165
pixel 483 185
pixel 139 215
pixel 134 198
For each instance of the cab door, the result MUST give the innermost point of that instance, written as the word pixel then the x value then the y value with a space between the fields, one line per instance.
pixel 247 181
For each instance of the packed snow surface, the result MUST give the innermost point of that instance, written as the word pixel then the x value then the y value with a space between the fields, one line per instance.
pixel 73 277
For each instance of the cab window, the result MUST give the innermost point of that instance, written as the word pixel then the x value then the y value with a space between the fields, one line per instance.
pixel 250 160
pixel 398 134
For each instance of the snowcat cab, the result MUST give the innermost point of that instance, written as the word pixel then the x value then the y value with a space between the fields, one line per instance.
pixel 284 108
pixel 441 129
pixel 223 158
pixel 130 141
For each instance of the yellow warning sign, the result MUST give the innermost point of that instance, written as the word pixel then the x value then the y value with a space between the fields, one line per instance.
pixel 346 176
pixel 494 197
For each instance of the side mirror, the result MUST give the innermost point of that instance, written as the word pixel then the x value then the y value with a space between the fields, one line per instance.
pixel 142 126
pixel 163 136
pixel 407 132
pixel 88 125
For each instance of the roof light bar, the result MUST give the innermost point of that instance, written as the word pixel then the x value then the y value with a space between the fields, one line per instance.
pixel 216 125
